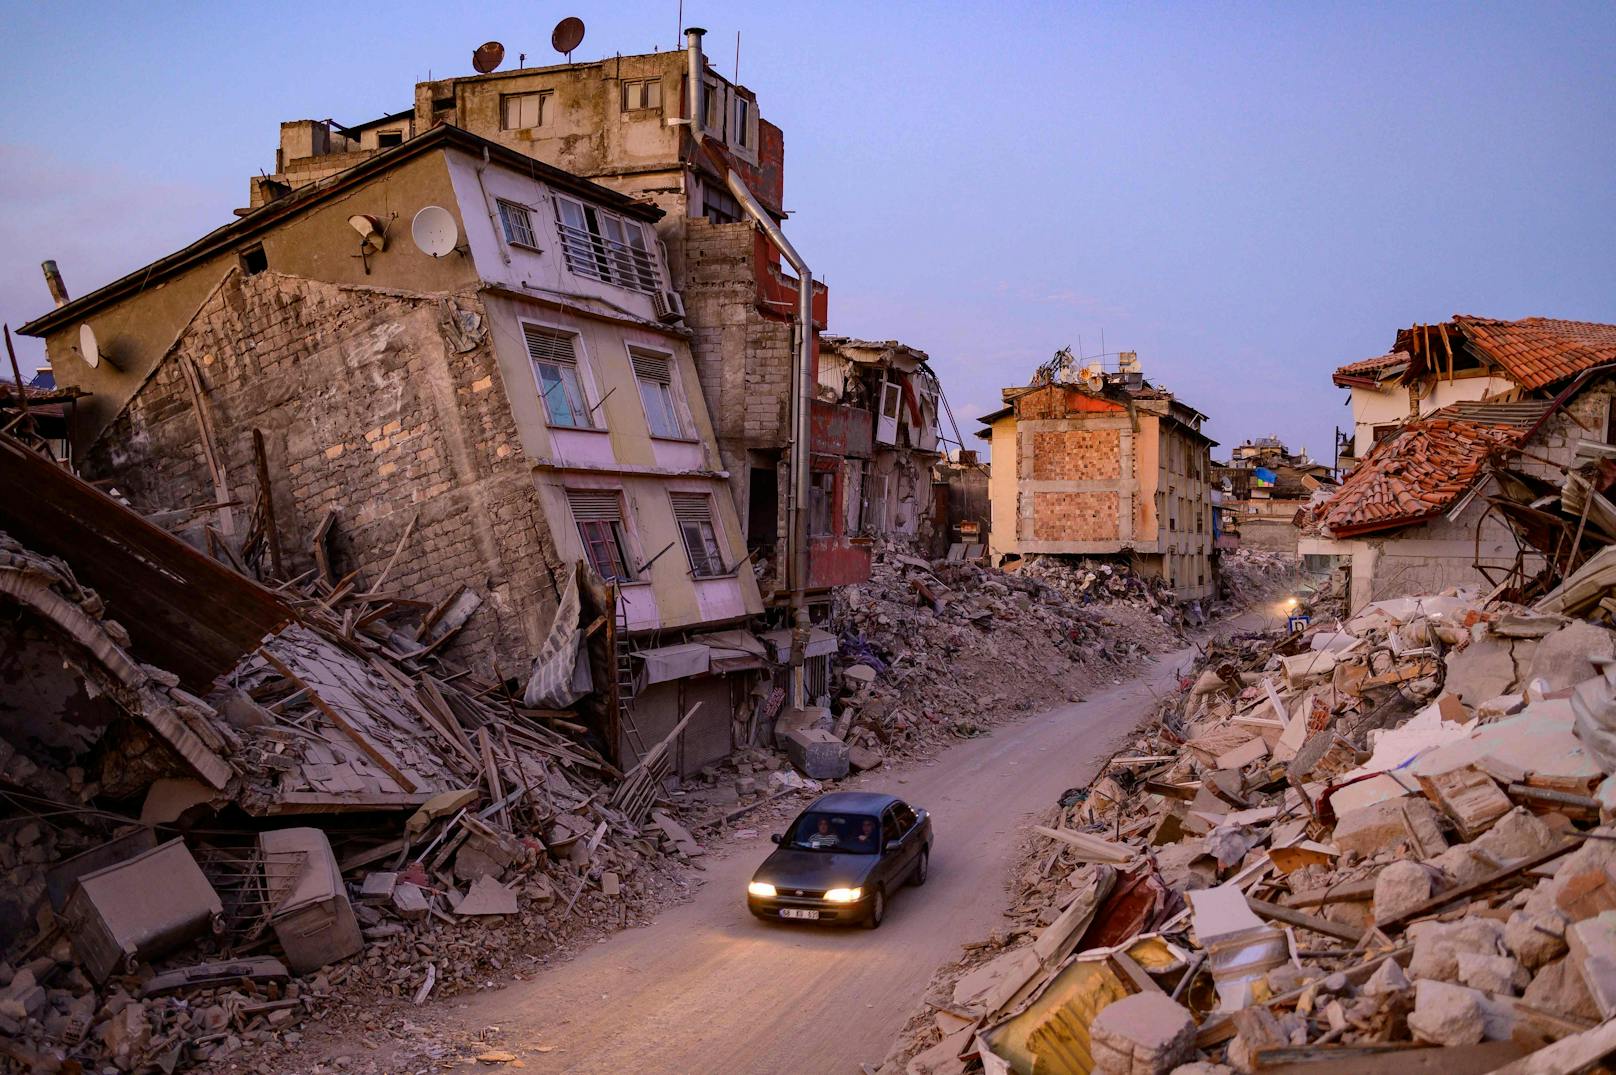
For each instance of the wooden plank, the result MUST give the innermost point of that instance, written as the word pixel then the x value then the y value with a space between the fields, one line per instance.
pixel 1221 1028
pixel 210 449
pixel 1317 897
pixel 496 788
pixel 320 802
pixel 1305 921
pixel 1478 886
pixel 371 750
pixel 1092 848
pixel 1407 1058
pixel 272 534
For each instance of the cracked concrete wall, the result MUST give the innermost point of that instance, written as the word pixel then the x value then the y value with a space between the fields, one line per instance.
pixel 368 410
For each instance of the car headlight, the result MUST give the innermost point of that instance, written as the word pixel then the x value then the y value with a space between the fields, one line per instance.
pixel 844 895
pixel 760 888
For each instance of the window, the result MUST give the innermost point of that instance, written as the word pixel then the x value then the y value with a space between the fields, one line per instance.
pixel 743 122
pixel 389 139
pixel 555 367
pixel 605 246
pixel 518 225
pixel 254 260
pixel 518 111
pixel 718 206
pixel 713 111
pixel 654 373
pixel 599 514
pixel 821 495
pixel 642 93
pixel 694 514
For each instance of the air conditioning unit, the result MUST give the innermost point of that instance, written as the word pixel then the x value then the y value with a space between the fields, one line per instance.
pixel 668 305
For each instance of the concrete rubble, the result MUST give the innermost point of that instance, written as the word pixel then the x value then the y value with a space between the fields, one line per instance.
pixel 198 866
pixel 1395 831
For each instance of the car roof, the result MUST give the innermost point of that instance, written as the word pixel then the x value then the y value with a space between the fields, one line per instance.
pixel 854 802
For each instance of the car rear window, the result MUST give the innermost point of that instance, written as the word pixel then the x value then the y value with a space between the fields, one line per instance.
pixel 817 830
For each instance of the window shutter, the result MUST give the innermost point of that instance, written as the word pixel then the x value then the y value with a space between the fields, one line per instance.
pixel 548 345
pixel 595 505
pixel 692 507
pixel 648 367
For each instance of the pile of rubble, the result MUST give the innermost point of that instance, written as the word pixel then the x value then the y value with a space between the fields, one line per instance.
pixel 167 898
pixel 1383 840
pixel 932 649
pixel 1248 576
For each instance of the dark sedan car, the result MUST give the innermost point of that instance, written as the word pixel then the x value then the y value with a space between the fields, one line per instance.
pixel 841 860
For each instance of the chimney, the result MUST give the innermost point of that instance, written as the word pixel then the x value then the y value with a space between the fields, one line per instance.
pixel 53 280
pixel 698 85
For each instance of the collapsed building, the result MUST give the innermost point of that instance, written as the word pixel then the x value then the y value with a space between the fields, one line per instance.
pixel 1469 493
pixel 1094 463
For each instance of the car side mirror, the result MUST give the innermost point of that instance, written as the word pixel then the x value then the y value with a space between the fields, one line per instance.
pixel 776 838
pixel 892 845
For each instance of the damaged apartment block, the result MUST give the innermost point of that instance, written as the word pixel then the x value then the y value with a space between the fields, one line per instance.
pixel 1094 463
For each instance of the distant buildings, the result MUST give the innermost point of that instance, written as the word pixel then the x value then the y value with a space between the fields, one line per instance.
pixel 1262 489
pixel 1087 462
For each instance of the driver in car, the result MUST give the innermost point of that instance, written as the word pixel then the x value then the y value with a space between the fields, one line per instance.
pixel 866 841
pixel 823 837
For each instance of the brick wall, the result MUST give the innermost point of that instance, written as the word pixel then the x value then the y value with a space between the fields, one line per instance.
pixel 1075 516
pixel 367 411
pixel 1077 455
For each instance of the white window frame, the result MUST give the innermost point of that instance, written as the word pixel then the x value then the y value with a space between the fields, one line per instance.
pixel 516 222
pixel 584 404
pixel 697 511
pixel 543 99
pixel 606 246
pixel 744 114
pixel 640 90
pixel 666 391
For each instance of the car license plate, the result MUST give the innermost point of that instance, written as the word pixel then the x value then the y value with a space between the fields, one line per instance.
pixel 792 912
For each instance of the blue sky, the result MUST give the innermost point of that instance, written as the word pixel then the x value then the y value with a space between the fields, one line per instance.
pixel 1247 195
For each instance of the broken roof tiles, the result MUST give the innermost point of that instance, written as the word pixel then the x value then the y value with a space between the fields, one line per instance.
pixel 1369 370
pixel 1421 470
pixel 1537 351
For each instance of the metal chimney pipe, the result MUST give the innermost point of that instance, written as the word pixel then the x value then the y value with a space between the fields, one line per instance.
pixel 53 280
pixel 698 85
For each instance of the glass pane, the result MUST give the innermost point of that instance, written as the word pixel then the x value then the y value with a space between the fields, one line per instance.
pixel 659 413
pixel 575 395
pixel 556 402
pixel 653 94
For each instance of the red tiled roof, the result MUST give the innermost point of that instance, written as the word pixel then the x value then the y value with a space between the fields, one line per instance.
pixel 1416 473
pixel 1366 369
pixel 1538 351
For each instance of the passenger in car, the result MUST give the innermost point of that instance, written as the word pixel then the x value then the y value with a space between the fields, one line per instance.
pixel 866 841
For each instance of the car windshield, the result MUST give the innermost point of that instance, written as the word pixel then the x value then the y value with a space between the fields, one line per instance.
pixel 817 830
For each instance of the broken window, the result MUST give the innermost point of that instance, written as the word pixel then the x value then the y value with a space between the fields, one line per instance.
pixel 654 373
pixel 254 260
pixel 519 111
pixel 821 496
pixel 694 514
pixel 555 367
pixel 642 93
pixel 599 514
pixel 389 139
pixel 605 246
pixel 743 122
pixel 517 223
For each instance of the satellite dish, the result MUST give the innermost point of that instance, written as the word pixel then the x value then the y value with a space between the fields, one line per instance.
pixel 567 35
pixel 434 231
pixel 487 57
pixel 371 235
pixel 89 350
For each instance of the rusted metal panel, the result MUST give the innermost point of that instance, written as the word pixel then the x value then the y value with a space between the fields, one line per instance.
pixel 835 561
pixel 184 611
pixel 842 431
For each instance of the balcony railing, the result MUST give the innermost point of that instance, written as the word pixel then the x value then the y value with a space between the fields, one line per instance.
pixel 609 261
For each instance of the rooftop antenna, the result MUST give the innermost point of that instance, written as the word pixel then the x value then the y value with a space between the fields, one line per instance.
pixel 567 35
pixel 737 57
pixel 488 56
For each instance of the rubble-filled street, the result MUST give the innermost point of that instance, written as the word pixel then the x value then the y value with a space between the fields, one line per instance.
pixel 502 580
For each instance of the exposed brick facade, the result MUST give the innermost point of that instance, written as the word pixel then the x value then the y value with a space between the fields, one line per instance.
pixel 367 410
pixel 1077 454
pixel 1059 516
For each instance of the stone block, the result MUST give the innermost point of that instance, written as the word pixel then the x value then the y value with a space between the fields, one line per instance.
pixel 1372 829
pixel 1143 1034
pixel 1446 1014
pixel 1400 886
pixel 818 754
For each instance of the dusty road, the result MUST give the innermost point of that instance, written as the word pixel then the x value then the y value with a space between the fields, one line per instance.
pixel 707 988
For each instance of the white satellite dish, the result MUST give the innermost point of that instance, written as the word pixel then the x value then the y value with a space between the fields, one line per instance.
pixel 89 350
pixel 434 231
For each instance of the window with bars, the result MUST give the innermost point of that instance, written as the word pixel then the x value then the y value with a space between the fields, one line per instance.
pixel 518 111
pixel 517 223
pixel 642 93
pixel 599 514
pixel 654 374
pixel 694 514
pixel 555 367
pixel 605 246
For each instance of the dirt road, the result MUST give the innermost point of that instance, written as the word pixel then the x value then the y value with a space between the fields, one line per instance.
pixel 707 988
